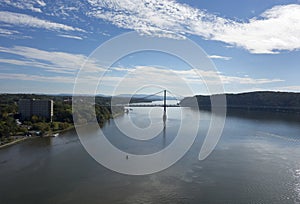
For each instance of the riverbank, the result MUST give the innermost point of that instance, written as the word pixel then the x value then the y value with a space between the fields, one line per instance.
pixel 62 131
pixel 18 139
pixel 50 133
pixel 12 142
pixel 47 133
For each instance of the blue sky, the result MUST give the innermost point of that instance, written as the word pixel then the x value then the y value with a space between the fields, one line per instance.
pixel 254 44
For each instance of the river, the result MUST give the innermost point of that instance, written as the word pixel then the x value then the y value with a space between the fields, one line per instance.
pixel 256 161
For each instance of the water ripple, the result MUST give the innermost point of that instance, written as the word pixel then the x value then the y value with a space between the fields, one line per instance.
pixel 297 186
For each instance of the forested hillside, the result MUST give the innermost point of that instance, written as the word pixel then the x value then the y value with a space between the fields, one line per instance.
pixel 263 100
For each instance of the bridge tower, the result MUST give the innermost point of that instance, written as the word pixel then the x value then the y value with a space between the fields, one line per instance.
pixel 165 105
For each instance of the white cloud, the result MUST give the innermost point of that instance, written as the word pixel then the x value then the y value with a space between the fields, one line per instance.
pixel 7 32
pixel 12 34
pixel 212 77
pixel 272 31
pixel 33 5
pixel 122 69
pixel 247 80
pixel 71 36
pixel 50 61
pixel 162 18
pixel 38 78
pixel 219 57
pixel 276 29
pixel 41 2
pixel 18 19
pixel 131 78
pixel 174 79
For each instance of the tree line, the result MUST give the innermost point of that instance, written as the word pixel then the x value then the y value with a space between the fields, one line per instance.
pixel 62 110
pixel 260 100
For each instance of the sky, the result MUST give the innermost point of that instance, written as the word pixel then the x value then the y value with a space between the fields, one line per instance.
pixel 254 44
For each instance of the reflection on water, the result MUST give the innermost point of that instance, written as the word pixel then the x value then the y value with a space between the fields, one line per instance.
pixel 256 161
pixel 164 130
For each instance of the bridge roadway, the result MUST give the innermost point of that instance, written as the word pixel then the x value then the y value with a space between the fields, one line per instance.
pixel 152 105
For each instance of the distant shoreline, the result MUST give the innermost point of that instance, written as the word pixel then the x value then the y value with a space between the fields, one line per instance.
pixel 252 101
pixel 294 110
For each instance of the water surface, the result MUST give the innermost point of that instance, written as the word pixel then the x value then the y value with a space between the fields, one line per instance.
pixel 256 161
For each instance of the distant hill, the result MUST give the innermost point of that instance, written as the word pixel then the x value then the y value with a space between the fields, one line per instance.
pixel 261 100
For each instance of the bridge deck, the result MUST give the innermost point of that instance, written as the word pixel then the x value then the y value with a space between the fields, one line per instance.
pixel 152 105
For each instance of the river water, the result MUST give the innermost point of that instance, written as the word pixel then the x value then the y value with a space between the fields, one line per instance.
pixel 256 161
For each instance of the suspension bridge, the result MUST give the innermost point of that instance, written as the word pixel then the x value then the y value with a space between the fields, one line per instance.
pixel 140 102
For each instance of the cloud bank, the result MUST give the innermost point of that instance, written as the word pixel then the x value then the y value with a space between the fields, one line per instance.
pixel 49 61
pixel 275 29
pixel 24 20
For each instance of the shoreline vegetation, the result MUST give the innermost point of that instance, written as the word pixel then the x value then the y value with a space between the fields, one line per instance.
pixel 13 130
pixel 16 139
